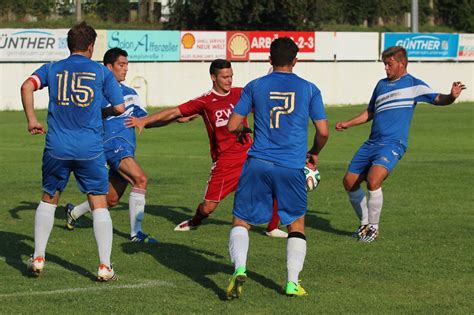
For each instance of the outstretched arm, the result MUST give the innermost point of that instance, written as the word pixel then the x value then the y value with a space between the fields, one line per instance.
pixel 447 99
pixel 27 100
pixel 362 118
pixel 320 139
pixel 159 119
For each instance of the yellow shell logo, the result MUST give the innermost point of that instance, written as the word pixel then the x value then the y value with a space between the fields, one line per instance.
pixel 239 45
pixel 188 40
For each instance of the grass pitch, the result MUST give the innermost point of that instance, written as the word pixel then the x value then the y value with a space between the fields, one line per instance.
pixel 422 263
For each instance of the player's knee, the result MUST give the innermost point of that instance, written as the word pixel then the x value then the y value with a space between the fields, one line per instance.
pixel 112 201
pixel 348 184
pixel 374 184
pixel 141 181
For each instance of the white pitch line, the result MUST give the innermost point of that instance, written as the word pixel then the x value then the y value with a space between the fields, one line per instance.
pixel 98 287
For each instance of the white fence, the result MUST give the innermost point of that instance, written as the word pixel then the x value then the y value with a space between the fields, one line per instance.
pixel 171 83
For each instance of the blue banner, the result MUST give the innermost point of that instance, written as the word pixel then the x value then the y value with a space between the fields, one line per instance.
pixel 424 45
pixel 146 45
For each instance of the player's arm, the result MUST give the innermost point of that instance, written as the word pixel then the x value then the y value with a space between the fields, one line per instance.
pixel 235 125
pixel 362 118
pixel 320 138
pixel 159 119
pixel 447 99
pixel 27 99
pixel 113 110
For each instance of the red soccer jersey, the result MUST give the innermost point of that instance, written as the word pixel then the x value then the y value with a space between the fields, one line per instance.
pixel 216 109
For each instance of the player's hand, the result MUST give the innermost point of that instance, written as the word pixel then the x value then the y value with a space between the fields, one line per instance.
pixel 35 128
pixel 341 125
pixel 138 123
pixel 242 136
pixel 186 119
pixel 457 88
pixel 312 159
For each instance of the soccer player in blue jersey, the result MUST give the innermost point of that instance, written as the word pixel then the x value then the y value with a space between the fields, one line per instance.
pixel 120 144
pixel 282 104
pixel 391 108
pixel 77 88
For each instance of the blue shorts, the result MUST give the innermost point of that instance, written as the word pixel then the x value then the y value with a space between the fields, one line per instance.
pixel 386 155
pixel 91 175
pixel 116 150
pixel 259 182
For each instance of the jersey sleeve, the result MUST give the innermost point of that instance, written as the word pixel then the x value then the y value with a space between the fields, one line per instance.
pixel 316 107
pixel 244 105
pixel 112 90
pixel 192 107
pixel 40 76
pixel 424 93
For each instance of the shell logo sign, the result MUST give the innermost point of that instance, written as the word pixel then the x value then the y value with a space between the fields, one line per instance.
pixel 238 46
pixel 188 40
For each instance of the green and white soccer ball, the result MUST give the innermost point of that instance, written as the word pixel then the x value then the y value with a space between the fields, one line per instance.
pixel 312 178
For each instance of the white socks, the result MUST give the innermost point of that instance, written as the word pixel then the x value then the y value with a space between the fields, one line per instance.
pixel 239 246
pixel 136 203
pixel 103 230
pixel 359 203
pixel 44 221
pixel 375 206
pixel 80 210
pixel 295 255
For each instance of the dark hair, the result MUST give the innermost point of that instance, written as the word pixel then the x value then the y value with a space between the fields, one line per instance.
pixel 397 52
pixel 111 55
pixel 219 64
pixel 282 51
pixel 80 36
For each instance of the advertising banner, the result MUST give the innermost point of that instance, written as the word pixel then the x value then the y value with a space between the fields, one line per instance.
pixel 146 45
pixel 33 44
pixel 424 45
pixel 256 45
pixel 203 45
pixel 466 47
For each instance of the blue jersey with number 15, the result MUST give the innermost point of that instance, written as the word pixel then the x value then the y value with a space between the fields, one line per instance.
pixel 283 103
pixel 77 88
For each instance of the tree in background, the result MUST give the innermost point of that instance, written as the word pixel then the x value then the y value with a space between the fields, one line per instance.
pixel 458 14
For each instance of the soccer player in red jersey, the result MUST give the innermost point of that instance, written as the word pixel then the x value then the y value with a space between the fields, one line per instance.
pixel 228 152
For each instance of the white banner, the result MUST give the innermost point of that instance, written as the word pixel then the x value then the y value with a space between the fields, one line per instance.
pixel 33 44
pixel 203 45
pixel 466 47
pixel 357 46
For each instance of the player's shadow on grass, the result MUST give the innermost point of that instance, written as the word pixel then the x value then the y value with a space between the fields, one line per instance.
pixel 14 246
pixel 192 263
pixel 24 205
pixel 314 220
pixel 175 215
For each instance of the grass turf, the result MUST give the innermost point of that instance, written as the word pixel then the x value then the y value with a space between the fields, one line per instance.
pixel 422 263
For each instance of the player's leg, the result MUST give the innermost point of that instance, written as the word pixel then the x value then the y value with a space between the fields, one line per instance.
pixel 253 204
pixel 203 210
pixel 130 170
pixel 238 250
pixel 272 227
pixel 353 178
pixel 295 257
pixel 92 179
pixel 290 191
pixel 385 159
pixel 117 186
pixel 55 174
pixel 222 181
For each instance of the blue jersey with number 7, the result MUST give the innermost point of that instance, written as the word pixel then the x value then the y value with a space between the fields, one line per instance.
pixel 77 87
pixel 282 103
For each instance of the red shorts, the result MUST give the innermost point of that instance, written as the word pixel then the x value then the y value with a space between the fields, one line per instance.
pixel 224 178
